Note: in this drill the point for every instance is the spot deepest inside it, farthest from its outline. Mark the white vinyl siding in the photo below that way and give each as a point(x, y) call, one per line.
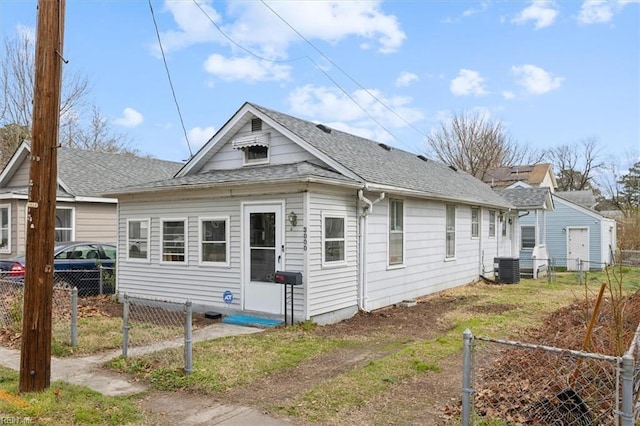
point(214, 241)
point(450, 231)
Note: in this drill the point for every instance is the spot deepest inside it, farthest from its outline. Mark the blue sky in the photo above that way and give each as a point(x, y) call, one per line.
point(554, 72)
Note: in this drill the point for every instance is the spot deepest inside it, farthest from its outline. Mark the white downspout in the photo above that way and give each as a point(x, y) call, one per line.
point(366, 210)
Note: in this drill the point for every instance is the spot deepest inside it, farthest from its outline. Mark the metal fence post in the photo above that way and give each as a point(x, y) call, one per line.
point(188, 339)
point(466, 377)
point(125, 324)
point(626, 413)
point(74, 316)
point(580, 278)
point(101, 281)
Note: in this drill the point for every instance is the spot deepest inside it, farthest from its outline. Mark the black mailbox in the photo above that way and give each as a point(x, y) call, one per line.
point(292, 278)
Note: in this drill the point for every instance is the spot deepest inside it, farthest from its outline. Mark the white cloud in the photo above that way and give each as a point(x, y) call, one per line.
point(508, 95)
point(536, 80)
point(198, 136)
point(468, 82)
point(332, 107)
point(595, 12)
point(130, 118)
point(542, 12)
point(471, 11)
point(193, 25)
point(246, 69)
point(406, 78)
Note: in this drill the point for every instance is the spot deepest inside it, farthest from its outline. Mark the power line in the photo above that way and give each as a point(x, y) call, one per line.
point(342, 70)
point(173, 92)
point(316, 66)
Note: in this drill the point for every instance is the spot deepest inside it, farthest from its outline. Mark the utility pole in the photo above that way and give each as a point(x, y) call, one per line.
point(35, 356)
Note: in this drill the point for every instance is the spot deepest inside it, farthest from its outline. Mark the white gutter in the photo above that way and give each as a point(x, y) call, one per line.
point(366, 210)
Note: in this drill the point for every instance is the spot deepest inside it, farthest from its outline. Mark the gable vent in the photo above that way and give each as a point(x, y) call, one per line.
point(256, 125)
point(453, 168)
point(422, 157)
point(384, 146)
point(324, 128)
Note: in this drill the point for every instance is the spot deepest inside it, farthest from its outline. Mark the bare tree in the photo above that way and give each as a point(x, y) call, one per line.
point(475, 144)
point(81, 126)
point(577, 164)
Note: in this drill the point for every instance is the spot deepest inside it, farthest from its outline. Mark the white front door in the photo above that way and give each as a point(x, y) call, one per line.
point(577, 247)
point(263, 254)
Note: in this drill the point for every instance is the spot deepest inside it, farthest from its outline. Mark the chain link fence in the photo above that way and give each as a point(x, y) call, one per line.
point(157, 326)
point(519, 383)
point(64, 312)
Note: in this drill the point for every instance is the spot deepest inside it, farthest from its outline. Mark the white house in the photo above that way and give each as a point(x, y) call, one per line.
point(366, 224)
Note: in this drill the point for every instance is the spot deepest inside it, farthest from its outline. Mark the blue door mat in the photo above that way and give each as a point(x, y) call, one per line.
point(251, 321)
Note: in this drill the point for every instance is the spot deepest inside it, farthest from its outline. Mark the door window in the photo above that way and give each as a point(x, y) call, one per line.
point(263, 246)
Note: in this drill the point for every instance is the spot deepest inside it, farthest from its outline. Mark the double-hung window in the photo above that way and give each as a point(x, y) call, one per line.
point(214, 240)
point(527, 237)
point(138, 239)
point(475, 222)
point(396, 232)
point(174, 239)
point(5, 228)
point(334, 239)
point(492, 223)
point(451, 232)
point(64, 224)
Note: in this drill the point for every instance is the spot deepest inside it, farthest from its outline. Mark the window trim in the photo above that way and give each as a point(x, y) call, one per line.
point(247, 162)
point(6, 249)
point(522, 235)
point(227, 241)
point(400, 264)
point(492, 224)
point(73, 222)
point(332, 263)
point(146, 259)
point(185, 221)
point(475, 235)
point(448, 256)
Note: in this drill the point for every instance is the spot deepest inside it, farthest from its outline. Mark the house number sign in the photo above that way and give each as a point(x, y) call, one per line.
point(304, 239)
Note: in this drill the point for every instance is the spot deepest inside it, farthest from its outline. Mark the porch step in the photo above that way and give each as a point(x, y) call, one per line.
point(250, 321)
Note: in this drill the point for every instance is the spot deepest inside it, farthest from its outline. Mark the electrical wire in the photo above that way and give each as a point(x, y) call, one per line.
point(173, 92)
point(317, 67)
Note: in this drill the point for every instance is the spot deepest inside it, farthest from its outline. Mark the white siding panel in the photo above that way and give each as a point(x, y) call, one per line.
point(21, 176)
point(332, 287)
point(281, 151)
point(425, 269)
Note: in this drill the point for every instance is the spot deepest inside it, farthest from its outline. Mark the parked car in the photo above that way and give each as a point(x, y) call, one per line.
point(87, 265)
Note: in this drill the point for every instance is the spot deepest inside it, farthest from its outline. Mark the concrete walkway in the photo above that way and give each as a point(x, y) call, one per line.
point(86, 371)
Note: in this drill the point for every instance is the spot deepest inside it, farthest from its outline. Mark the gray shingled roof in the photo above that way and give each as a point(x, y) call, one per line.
point(525, 198)
point(585, 198)
point(92, 173)
point(394, 167)
point(265, 173)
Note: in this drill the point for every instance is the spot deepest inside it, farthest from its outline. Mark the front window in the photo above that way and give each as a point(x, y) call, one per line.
point(451, 231)
point(5, 228)
point(138, 239)
point(173, 240)
point(64, 224)
point(214, 240)
point(396, 232)
point(475, 222)
point(528, 237)
point(334, 240)
point(492, 223)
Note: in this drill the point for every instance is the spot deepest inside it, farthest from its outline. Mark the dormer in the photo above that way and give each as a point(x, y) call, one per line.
point(255, 146)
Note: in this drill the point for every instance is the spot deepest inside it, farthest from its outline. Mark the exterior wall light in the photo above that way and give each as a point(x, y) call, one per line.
point(293, 219)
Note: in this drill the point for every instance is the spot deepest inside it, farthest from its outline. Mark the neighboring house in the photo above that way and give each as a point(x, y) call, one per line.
point(571, 232)
point(82, 213)
point(535, 207)
point(366, 224)
point(534, 175)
